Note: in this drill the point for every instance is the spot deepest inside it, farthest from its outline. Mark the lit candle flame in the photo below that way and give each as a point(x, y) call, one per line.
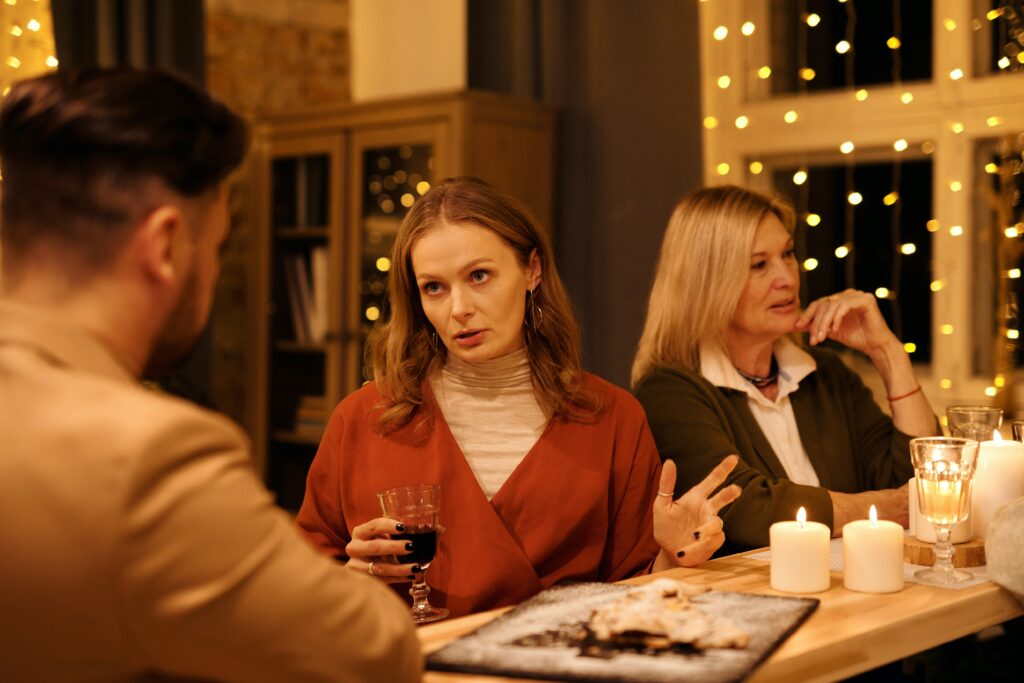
point(801, 517)
point(996, 436)
point(873, 516)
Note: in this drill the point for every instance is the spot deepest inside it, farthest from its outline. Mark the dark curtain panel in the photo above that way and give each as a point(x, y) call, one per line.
point(166, 34)
point(169, 34)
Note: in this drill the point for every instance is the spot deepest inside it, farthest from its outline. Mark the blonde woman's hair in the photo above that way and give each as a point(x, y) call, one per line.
point(702, 270)
point(404, 350)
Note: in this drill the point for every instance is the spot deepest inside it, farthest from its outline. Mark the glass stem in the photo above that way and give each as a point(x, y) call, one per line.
point(943, 549)
point(419, 592)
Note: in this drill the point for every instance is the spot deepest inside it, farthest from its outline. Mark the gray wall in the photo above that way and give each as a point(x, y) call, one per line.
point(626, 77)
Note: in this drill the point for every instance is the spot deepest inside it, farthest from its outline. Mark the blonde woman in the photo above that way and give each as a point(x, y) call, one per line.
point(548, 473)
point(719, 370)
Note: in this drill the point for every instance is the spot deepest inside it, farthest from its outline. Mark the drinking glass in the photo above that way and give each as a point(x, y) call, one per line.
point(1017, 426)
point(944, 467)
point(416, 507)
point(973, 422)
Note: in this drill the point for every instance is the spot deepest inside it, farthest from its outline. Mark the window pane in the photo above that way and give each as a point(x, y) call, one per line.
point(882, 242)
point(871, 57)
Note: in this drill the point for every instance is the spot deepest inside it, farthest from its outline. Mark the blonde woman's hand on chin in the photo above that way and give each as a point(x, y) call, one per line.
point(688, 529)
point(851, 318)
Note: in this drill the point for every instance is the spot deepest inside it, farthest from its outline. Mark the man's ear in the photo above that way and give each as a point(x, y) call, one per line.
point(159, 243)
point(533, 269)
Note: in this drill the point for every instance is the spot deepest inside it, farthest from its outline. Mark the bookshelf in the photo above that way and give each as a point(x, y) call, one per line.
point(331, 188)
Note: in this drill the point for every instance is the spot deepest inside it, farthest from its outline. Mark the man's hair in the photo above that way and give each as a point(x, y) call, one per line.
point(79, 147)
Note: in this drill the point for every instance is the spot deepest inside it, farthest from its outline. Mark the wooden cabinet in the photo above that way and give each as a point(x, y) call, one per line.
point(331, 188)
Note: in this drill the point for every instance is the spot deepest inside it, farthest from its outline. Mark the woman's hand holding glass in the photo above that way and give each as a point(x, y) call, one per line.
point(372, 550)
point(688, 529)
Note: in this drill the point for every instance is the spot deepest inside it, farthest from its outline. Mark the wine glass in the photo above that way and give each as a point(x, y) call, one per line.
point(944, 467)
point(416, 507)
point(973, 422)
point(1017, 427)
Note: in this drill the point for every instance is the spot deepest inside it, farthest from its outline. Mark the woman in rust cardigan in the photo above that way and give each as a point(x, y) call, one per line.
point(548, 473)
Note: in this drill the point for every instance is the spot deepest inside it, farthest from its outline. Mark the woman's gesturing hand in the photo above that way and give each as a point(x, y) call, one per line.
point(851, 317)
point(372, 550)
point(689, 529)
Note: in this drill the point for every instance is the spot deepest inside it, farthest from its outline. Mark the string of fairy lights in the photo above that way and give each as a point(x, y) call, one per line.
point(1011, 58)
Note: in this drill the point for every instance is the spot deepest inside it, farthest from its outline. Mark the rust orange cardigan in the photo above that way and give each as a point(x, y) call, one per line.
point(577, 508)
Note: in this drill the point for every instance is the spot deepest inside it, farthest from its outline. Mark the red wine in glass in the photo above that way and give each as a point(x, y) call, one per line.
point(424, 545)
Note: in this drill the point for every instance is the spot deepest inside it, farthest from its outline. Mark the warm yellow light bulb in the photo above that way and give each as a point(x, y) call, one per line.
point(882, 293)
point(723, 82)
point(994, 14)
point(842, 47)
point(908, 248)
point(764, 72)
point(722, 168)
point(910, 347)
point(408, 200)
point(790, 116)
point(372, 313)
point(937, 285)
point(721, 33)
point(1013, 334)
point(854, 198)
point(949, 24)
point(956, 186)
point(956, 230)
point(861, 95)
point(742, 122)
point(422, 187)
point(907, 97)
point(994, 121)
point(956, 74)
point(1004, 62)
point(13, 62)
point(1013, 273)
point(847, 147)
point(748, 28)
point(33, 25)
point(710, 122)
point(956, 127)
point(756, 167)
point(1011, 232)
point(813, 220)
point(947, 329)
point(990, 391)
point(807, 73)
point(810, 264)
point(52, 62)
point(945, 383)
point(383, 264)
point(891, 198)
point(842, 251)
point(893, 43)
point(812, 19)
point(999, 381)
point(900, 145)
point(991, 168)
point(800, 177)
point(932, 225)
point(16, 31)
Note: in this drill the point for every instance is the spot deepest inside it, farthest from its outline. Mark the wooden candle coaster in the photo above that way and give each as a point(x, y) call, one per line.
point(969, 554)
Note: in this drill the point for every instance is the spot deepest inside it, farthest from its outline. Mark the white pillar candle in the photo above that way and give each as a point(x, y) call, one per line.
point(998, 479)
point(923, 529)
point(799, 553)
point(873, 555)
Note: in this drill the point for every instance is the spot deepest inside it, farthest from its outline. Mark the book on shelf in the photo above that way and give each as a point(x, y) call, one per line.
point(310, 415)
point(306, 285)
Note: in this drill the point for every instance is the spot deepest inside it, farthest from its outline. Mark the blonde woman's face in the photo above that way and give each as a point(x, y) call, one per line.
point(770, 303)
point(473, 289)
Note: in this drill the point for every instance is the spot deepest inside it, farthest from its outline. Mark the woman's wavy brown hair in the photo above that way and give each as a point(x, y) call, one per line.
point(400, 351)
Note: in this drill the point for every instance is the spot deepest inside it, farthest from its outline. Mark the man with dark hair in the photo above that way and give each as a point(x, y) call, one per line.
point(136, 537)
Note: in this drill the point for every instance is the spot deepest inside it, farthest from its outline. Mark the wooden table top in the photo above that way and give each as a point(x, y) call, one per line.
point(849, 632)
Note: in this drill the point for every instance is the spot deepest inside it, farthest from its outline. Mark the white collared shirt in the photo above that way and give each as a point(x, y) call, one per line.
point(775, 418)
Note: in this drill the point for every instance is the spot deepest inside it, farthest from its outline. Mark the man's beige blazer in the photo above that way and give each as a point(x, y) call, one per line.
point(136, 538)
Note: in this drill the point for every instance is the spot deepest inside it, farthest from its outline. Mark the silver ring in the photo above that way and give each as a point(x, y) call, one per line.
point(369, 568)
point(664, 494)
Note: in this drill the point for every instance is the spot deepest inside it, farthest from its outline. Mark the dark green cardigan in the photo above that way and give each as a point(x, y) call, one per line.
point(851, 443)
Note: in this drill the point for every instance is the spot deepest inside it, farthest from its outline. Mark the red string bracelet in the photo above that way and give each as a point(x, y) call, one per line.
point(893, 399)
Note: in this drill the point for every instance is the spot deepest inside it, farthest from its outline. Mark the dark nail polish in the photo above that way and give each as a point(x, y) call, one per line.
point(399, 527)
point(416, 569)
point(411, 577)
point(696, 535)
point(680, 553)
point(408, 546)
